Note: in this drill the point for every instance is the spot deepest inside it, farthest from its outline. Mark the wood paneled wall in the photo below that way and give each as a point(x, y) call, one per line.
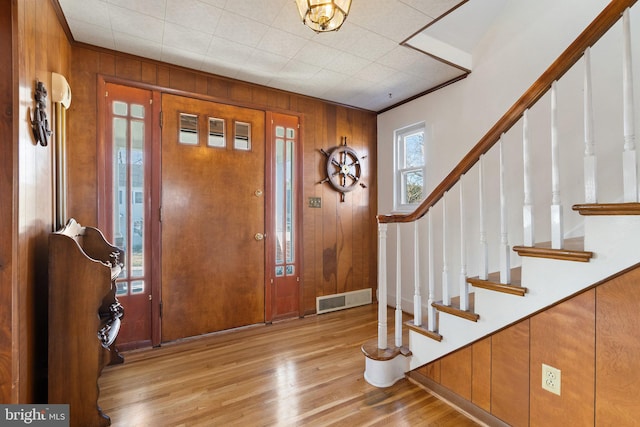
point(592, 338)
point(339, 239)
point(38, 46)
point(7, 182)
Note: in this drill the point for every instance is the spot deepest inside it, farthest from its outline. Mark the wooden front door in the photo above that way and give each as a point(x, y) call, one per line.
point(212, 217)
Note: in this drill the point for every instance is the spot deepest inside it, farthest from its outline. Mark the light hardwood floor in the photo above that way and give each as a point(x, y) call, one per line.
point(298, 372)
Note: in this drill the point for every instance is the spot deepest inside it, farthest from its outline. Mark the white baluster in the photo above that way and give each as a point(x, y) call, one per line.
point(417, 298)
point(398, 322)
point(527, 208)
point(629, 162)
point(446, 299)
point(484, 248)
point(431, 311)
point(464, 286)
point(557, 235)
point(590, 183)
point(382, 286)
point(505, 255)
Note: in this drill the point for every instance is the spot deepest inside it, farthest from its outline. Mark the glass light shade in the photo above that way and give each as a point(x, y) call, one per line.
point(323, 15)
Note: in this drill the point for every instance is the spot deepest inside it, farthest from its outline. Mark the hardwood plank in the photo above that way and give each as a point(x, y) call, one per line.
point(297, 372)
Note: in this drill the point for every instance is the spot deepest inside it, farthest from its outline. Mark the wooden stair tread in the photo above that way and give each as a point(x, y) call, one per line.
point(455, 310)
point(607, 208)
point(492, 283)
point(573, 250)
point(423, 331)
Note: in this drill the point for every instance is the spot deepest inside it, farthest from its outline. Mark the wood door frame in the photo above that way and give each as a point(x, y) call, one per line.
point(270, 217)
point(156, 190)
point(103, 180)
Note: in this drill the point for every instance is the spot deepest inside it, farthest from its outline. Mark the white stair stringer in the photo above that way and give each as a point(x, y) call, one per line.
point(612, 239)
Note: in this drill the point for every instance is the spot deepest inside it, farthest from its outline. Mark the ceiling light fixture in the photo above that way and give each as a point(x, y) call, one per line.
point(323, 15)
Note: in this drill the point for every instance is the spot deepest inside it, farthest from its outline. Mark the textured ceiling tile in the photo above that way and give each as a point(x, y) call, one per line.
point(265, 62)
point(375, 73)
point(155, 8)
point(288, 19)
point(281, 43)
point(298, 70)
point(227, 51)
point(182, 57)
point(346, 64)
point(184, 38)
point(400, 58)
point(433, 8)
point(217, 3)
point(136, 24)
point(264, 41)
point(259, 10)
point(317, 54)
point(373, 46)
point(240, 29)
point(194, 14)
point(92, 34)
point(94, 12)
point(220, 69)
point(400, 23)
point(137, 46)
point(345, 39)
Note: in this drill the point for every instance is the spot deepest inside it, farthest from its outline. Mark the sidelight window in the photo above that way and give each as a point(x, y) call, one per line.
point(284, 196)
point(128, 130)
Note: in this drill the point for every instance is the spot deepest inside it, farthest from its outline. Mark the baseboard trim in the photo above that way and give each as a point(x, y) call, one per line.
point(472, 411)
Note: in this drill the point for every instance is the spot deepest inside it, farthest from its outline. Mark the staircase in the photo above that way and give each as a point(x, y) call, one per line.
point(463, 308)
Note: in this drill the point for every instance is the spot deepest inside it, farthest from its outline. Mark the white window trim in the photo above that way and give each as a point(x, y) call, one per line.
point(398, 188)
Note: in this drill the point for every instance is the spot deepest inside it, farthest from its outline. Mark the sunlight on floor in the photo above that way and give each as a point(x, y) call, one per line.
point(287, 387)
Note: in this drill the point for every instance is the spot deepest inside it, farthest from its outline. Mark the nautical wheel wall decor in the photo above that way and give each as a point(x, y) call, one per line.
point(344, 169)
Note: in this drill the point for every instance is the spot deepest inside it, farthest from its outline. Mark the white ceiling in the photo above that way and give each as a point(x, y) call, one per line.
point(264, 42)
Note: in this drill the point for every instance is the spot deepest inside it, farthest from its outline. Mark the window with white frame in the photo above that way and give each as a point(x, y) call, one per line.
point(409, 167)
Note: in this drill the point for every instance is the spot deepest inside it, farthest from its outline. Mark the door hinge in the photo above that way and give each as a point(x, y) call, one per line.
point(160, 308)
point(161, 118)
point(160, 214)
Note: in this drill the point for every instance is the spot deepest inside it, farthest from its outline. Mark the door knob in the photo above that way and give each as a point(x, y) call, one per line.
point(259, 236)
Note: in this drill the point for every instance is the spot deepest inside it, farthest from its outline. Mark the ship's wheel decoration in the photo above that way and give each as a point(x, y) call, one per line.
point(343, 168)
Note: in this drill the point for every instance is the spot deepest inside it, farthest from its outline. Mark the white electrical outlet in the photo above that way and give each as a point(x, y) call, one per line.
point(551, 379)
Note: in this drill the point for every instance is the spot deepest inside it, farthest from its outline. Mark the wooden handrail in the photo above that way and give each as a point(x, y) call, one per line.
point(603, 22)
